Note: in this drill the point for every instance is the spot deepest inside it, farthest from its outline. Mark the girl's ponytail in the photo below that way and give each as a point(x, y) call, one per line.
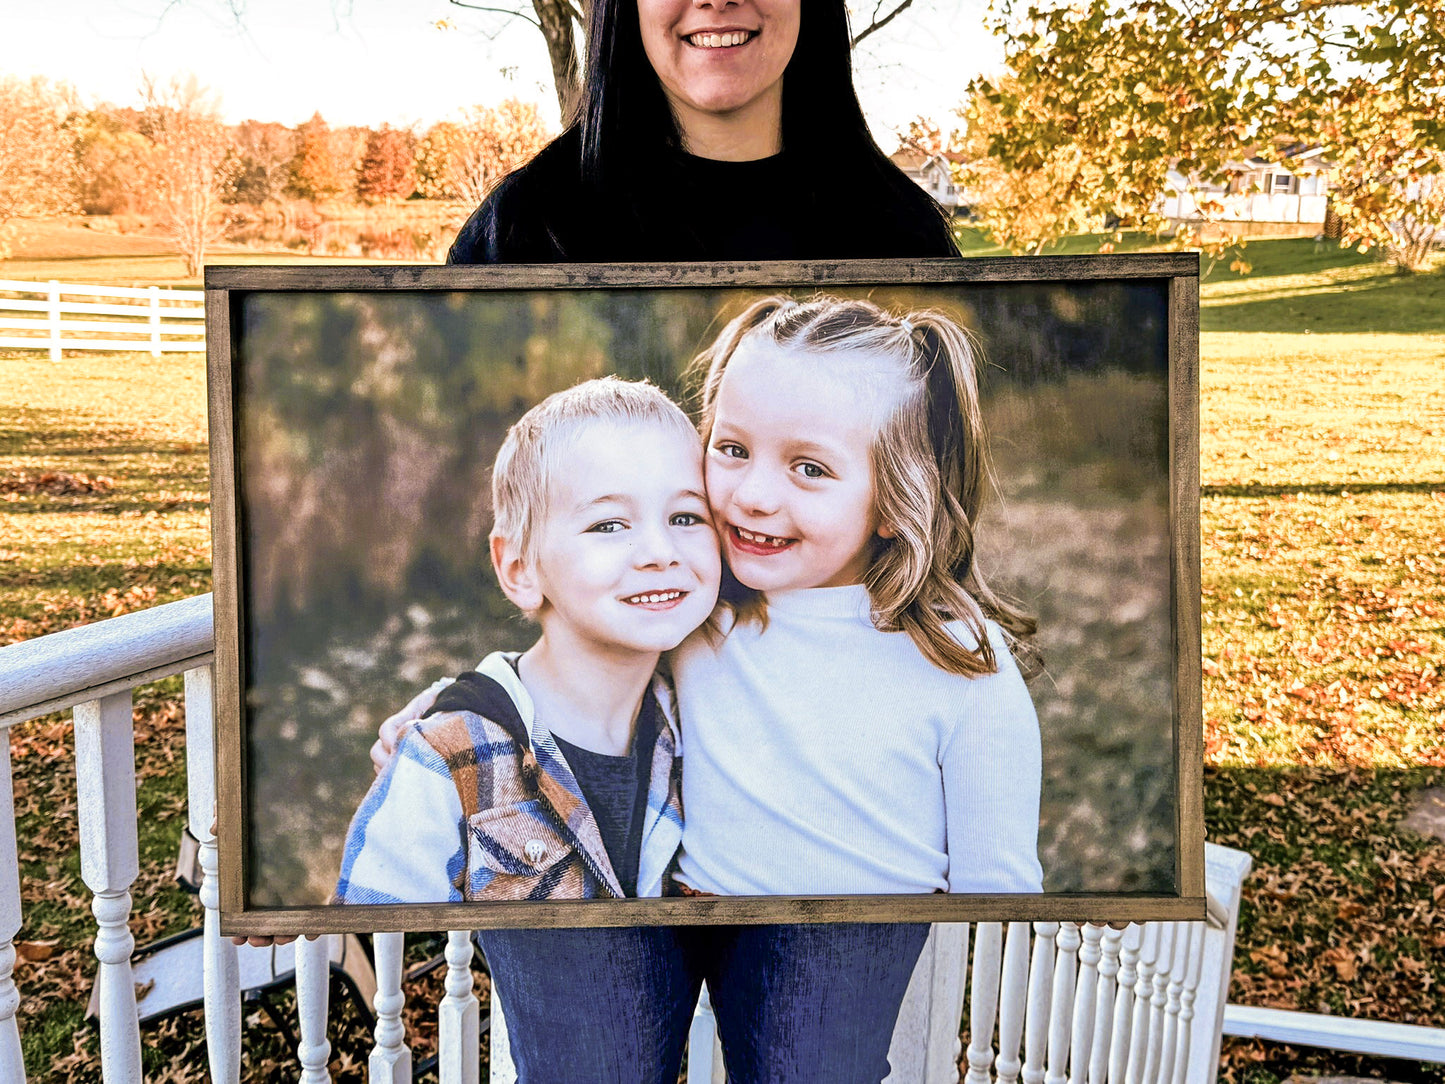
point(931, 476)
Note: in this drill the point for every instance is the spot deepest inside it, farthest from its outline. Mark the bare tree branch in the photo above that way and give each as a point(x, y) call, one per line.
point(512, 12)
point(877, 23)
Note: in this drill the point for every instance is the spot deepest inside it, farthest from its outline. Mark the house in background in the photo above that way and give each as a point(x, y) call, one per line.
point(934, 174)
point(1287, 193)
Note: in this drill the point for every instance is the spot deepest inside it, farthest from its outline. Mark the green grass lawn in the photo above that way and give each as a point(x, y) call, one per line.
point(1323, 466)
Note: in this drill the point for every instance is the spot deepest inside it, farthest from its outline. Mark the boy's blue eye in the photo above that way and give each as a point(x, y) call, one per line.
point(687, 519)
point(607, 526)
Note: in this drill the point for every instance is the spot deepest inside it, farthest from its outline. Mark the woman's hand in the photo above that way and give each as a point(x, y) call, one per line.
point(389, 733)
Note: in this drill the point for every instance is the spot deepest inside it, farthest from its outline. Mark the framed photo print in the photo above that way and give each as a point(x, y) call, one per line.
point(775, 592)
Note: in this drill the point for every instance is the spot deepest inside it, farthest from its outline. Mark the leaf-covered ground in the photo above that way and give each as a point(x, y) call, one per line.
point(1324, 627)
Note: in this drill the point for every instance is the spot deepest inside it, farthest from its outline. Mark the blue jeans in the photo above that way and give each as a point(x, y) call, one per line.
point(603, 1005)
point(809, 1004)
point(795, 1004)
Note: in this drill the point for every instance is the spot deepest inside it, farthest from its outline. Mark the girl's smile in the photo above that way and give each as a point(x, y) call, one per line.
point(789, 470)
point(761, 544)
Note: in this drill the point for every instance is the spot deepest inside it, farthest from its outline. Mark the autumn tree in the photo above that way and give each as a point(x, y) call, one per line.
point(112, 160)
point(434, 151)
point(263, 158)
point(1134, 88)
point(462, 160)
point(37, 163)
point(318, 169)
point(388, 166)
point(1387, 179)
point(1025, 208)
point(189, 164)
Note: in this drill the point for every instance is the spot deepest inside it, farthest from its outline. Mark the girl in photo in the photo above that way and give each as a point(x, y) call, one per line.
point(858, 723)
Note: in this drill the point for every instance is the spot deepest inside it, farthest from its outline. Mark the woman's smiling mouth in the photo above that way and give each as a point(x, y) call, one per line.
point(705, 39)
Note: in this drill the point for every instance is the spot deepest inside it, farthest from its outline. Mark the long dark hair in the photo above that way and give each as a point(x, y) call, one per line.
point(626, 124)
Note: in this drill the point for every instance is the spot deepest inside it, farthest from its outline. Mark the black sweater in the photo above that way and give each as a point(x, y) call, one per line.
point(687, 208)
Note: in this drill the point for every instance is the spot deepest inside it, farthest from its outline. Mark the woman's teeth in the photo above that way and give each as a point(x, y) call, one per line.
point(656, 596)
point(761, 539)
point(719, 41)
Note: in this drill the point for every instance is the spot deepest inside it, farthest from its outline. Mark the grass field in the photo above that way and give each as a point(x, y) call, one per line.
point(1323, 467)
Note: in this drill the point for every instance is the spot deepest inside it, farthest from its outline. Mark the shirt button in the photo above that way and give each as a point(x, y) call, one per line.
point(535, 850)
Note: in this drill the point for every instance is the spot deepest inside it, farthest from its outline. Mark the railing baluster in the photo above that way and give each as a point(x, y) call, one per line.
point(1186, 1000)
point(1143, 984)
point(390, 1058)
point(1124, 1004)
point(222, 982)
point(1062, 1008)
point(983, 1000)
point(1041, 984)
point(1084, 993)
point(1178, 963)
point(1158, 1001)
point(1012, 988)
point(109, 864)
point(12, 1064)
point(313, 990)
point(459, 1018)
point(1099, 1047)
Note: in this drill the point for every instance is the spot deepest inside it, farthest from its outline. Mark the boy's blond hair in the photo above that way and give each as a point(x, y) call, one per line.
point(528, 459)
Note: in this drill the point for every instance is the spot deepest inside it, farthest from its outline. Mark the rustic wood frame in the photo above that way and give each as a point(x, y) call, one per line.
point(225, 285)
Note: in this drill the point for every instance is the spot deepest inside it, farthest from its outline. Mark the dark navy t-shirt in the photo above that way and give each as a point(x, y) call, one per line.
point(615, 789)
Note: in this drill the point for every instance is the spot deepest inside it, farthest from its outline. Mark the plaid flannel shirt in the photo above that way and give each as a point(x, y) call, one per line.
point(462, 812)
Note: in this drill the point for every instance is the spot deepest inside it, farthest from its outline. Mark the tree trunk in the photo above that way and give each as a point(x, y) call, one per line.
point(555, 17)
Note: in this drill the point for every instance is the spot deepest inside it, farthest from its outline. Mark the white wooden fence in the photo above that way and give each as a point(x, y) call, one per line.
point(1142, 1006)
point(109, 318)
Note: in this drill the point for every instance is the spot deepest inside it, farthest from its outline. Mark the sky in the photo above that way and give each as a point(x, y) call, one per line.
point(369, 62)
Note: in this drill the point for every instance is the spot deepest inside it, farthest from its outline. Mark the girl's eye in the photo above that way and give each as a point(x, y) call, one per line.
point(607, 526)
point(732, 451)
point(811, 470)
point(687, 519)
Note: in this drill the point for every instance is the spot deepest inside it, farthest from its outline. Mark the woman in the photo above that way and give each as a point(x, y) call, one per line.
point(706, 130)
point(687, 151)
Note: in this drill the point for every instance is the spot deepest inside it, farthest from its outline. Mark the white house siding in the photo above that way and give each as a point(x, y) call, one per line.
point(1308, 205)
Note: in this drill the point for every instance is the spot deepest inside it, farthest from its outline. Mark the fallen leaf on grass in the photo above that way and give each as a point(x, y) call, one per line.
point(35, 951)
point(1344, 962)
point(56, 482)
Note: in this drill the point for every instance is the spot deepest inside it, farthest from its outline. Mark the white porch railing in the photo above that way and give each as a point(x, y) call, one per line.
point(145, 319)
point(1143, 1005)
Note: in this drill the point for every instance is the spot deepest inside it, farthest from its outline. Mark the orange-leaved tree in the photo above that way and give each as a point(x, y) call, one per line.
point(190, 162)
point(37, 165)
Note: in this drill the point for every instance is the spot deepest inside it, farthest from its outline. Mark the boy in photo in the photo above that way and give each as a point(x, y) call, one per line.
point(555, 773)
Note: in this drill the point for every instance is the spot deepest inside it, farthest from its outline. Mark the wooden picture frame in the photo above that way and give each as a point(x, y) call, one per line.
point(1090, 363)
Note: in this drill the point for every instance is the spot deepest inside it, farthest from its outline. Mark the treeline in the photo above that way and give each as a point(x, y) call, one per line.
point(174, 159)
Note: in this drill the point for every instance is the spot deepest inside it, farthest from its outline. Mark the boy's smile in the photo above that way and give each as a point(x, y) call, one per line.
point(627, 560)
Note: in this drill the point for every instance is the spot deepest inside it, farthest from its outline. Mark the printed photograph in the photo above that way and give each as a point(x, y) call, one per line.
point(590, 594)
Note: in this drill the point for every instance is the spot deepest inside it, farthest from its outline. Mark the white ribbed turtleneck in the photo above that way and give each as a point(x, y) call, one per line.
point(822, 756)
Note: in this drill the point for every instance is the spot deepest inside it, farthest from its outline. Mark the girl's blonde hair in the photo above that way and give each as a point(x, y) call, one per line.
point(930, 470)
